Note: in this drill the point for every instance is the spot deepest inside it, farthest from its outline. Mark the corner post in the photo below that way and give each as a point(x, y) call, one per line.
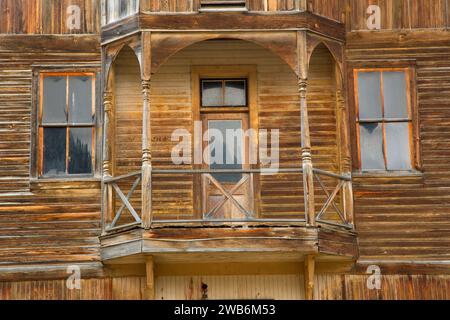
point(345, 157)
point(107, 157)
point(146, 157)
point(107, 130)
point(308, 173)
point(146, 75)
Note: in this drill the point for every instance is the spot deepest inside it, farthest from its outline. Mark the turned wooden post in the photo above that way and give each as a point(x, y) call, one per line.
point(146, 158)
point(346, 160)
point(309, 268)
point(308, 175)
point(108, 206)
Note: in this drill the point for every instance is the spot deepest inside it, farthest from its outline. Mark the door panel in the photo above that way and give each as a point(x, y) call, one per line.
point(225, 195)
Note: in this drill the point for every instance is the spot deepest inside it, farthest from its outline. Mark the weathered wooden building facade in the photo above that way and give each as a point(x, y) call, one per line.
point(96, 96)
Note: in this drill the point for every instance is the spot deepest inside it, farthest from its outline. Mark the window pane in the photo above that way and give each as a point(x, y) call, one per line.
point(397, 145)
point(212, 94)
point(369, 94)
point(111, 10)
point(80, 100)
point(235, 93)
point(124, 8)
point(54, 156)
point(231, 148)
point(54, 100)
point(395, 95)
point(80, 151)
point(371, 146)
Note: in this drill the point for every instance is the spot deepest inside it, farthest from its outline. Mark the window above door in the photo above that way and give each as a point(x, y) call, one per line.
point(223, 93)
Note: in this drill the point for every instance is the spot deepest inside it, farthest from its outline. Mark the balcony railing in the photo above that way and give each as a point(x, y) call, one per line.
point(122, 203)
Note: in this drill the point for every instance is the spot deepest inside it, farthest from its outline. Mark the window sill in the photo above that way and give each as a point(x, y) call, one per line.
point(387, 174)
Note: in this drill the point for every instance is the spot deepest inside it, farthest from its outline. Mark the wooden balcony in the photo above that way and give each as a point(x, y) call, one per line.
point(170, 213)
point(233, 228)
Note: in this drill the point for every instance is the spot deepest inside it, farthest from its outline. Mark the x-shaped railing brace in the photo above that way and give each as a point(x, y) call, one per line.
point(227, 196)
point(331, 198)
point(126, 202)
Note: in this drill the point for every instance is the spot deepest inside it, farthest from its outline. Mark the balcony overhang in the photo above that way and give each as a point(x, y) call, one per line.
point(224, 21)
point(220, 244)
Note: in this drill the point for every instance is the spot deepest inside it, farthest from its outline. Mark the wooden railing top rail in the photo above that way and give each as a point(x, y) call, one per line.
point(230, 171)
point(122, 177)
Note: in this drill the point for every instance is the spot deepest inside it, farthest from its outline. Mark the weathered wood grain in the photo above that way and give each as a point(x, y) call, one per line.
point(405, 217)
point(402, 219)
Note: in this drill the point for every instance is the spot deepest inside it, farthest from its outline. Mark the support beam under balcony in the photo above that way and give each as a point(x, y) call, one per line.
point(310, 264)
point(150, 278)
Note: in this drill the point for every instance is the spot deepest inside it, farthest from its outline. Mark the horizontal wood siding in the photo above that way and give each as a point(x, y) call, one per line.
point(278, 103)
point(58, 223)
point(128, 114)
point(40, 221)
point(171, 109)
point(407, 217)
point(15, 125)
point(127, 147)
point(322, 121)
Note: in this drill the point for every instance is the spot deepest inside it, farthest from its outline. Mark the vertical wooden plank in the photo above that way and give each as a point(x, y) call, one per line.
point(436, 17)
point(150, 279)
point(195, 5)
point(309, 277)
point(447, 14)
point(257, 5)
point(46, 16)
point(272, 5)
point(3, 17)
point(147, 5)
